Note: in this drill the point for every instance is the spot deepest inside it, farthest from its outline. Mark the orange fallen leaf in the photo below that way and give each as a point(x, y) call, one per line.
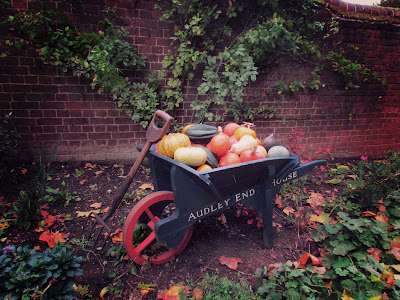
point(382, 218)
point(96, 205)
point(376, 253)
point(279, 202)
point(197, 294)
point(320, 270)
point(116, 236)
point(52, 238)
point(288, 210)
point(368, 214)
point(230, 262)
point(24, 171)
point(395, 248)
point(173, 292)
point(345, 297)
point(304, 259)
point(316, 199)
point(98, 173)
point(105, 209)
point(145, 186)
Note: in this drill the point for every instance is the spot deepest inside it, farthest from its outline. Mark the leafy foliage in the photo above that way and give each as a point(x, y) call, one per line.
point(226, 44)
point(357, 238)
point(8, 141)
point(26, 273)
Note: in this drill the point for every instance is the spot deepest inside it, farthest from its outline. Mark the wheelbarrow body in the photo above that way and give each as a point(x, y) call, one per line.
point(201, 194)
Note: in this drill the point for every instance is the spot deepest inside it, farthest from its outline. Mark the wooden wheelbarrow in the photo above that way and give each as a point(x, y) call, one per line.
point(160, 225)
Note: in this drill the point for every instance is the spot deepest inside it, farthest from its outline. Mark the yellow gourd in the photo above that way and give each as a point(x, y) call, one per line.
point(242, 131)
point(246, 142)
point(191, 156)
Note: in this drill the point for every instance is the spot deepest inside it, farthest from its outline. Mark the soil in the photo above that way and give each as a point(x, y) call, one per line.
point(221, 235)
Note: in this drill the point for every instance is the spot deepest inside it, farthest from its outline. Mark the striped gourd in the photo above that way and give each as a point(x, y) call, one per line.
point(171, 142)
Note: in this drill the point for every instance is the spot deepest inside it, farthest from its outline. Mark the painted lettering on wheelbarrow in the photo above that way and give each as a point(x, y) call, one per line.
point(291, 176)
point(218, 206)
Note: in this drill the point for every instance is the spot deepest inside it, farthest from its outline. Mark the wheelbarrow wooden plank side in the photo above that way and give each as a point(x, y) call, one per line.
point(201, 194)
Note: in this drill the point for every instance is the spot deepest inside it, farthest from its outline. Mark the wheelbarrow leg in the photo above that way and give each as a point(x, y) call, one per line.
point(268, 232)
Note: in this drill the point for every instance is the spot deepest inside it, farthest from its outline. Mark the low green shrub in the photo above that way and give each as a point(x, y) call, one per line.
point(26, 273)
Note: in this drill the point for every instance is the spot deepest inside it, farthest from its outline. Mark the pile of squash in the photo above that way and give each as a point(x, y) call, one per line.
point(206, 147)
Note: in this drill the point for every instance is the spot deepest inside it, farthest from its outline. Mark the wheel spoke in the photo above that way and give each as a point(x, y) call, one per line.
point(151, 216)
point(146, 242)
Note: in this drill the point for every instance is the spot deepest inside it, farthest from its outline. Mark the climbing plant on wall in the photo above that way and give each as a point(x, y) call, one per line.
point(219, 47)
point(229, 42)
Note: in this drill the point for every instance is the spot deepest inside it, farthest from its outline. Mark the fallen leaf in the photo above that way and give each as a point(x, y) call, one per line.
point(79, 173)
point(116, 236)
point(279, 202)
point(82, 290)
point(4, 225)
point(146, 288)
point(382, 218)
point(173, 292)
point(368, 214)
point(288, 210)
point(52, 238)
point(345, 297)
point(24, 171)
point(103, 291)
point(96, 205)
point(304, 259)
point(87, 213)
point(98, 173)
point(320, 270)
point(395, 248)
point(230, 262)
point(105, 209)
point(90, 166)
point(316, 199)
point(222, 219)
point(197, 294)
point(376, 253)
point(145, 186)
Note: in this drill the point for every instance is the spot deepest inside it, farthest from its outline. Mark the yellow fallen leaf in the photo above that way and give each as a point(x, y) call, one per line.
point(96, 205)
point(145, 186)
point(288, 210)
point(87, 213)
point(317, 218)
point(103, 291)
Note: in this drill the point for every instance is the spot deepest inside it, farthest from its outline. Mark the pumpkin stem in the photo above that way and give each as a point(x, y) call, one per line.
point(248, 125)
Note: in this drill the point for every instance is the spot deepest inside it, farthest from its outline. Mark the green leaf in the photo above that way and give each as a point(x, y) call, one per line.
point(334, 181)
point(340, 248)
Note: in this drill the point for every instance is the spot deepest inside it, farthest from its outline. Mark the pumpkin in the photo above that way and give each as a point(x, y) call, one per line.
point(262, 150)
point(278, 151)
point(220, 143)
point(229, 159)
point(191, 156)
point(242, 131)
point(186, 127)
point(250, 154)
point(230, 128)
point(204, 167)
point(171, 142)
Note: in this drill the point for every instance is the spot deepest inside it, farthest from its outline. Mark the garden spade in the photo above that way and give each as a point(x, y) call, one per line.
point(153, 135)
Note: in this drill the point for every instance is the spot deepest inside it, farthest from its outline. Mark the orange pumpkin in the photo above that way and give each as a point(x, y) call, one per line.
point(220, 144)
point(229, 159)
point(230, 128)
point(171, 142)
point(203, 168)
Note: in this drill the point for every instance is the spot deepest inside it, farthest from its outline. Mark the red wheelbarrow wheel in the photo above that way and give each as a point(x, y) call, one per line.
point(142, 247)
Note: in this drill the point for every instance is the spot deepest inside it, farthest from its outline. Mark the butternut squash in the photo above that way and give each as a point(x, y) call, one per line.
point(246, 142)
point(191, 156)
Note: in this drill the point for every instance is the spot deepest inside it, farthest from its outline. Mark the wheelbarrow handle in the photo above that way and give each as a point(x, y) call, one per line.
point(153, 135)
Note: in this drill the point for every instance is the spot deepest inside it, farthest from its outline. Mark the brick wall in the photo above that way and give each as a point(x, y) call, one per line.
point(54, 108)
